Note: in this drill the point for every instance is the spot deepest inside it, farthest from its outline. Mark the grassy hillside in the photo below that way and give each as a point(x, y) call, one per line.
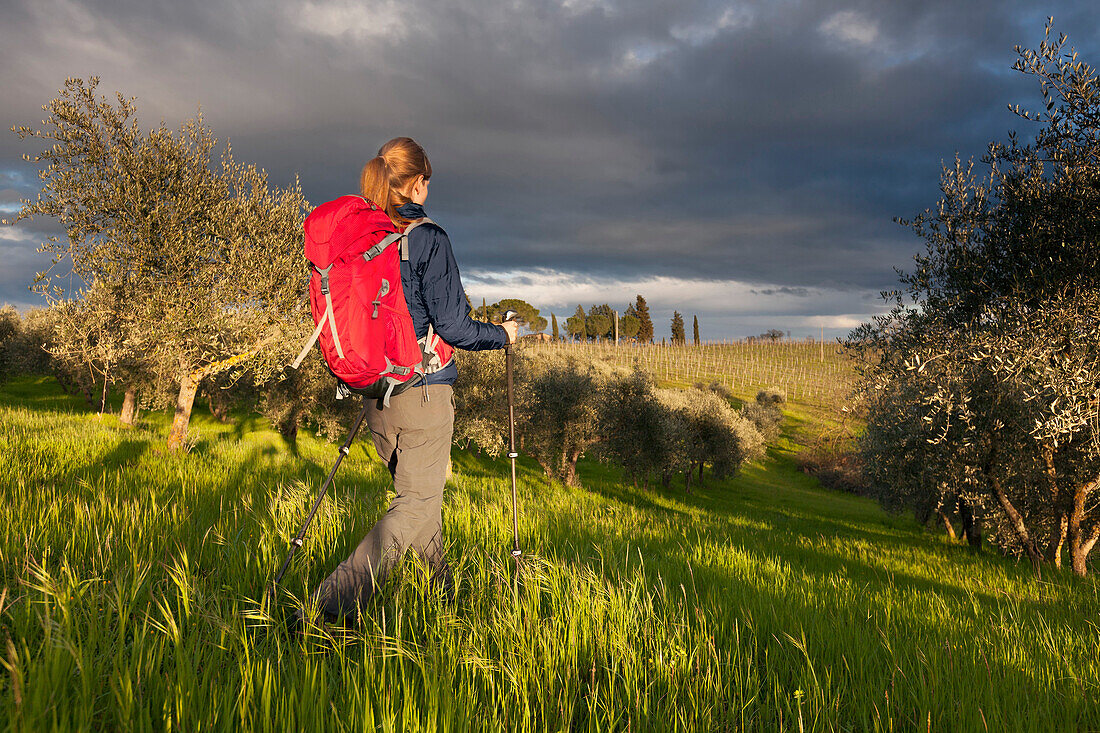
point(816, 378)
point(810, 373)
point(130, 578)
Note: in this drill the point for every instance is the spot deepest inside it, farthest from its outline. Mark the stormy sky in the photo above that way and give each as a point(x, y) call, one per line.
point(739, 161)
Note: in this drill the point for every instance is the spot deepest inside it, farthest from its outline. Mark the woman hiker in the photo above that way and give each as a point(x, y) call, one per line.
point(413, 433)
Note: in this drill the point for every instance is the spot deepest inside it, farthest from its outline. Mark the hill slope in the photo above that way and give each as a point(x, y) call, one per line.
point(764, 602)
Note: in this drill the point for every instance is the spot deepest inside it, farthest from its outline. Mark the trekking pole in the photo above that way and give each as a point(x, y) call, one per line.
point(297, 541)
point(516, 552)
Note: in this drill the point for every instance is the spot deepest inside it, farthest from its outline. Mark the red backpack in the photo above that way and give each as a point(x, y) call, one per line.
point(369, 345)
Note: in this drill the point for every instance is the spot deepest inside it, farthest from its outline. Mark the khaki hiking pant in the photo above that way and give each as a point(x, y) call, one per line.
point(413, 437)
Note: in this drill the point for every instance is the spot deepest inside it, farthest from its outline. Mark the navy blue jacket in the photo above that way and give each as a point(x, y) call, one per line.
point(434, 294)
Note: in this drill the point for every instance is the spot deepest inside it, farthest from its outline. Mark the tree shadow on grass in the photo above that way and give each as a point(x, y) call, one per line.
point(892, 643)
point(40, 393)
point(776, 510)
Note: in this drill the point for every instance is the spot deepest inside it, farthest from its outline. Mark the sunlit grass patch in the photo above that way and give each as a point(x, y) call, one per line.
point(131, 584)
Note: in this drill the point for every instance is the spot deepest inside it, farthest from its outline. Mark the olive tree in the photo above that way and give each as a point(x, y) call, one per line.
point(990, 354)
point(203, 252)
point(1050, 357)
point(558, 399)
point(706, 429)
point(634, 426)
point(10, 327)
point(765, 414)
point(305, 398)
point(481, 402)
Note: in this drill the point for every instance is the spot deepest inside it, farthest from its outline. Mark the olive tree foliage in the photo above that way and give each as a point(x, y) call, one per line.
point(1048, 358)
point(634, 425)
point(568, 405)
point(765, 414)
point(558, 398)
point(481, 402)
point(240, 306)
point(983, 380)
point(302, 398)
point(32, 344)
point(89, 335)
point(705, 429)
point(28, 350)
point(10, 327)
point(918, 458)
point(659, 432)
point(200, 249)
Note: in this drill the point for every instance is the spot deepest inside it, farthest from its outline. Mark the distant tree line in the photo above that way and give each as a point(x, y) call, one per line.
point(983, 380)
point(598, 323)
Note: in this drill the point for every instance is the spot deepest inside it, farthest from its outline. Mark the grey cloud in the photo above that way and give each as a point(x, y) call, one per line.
point(768, 142)
point(796, 292)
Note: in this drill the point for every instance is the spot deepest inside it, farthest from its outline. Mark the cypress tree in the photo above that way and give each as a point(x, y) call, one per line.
point(695, 328)
point(645, 323)
point(678, 334)
point(554, 326)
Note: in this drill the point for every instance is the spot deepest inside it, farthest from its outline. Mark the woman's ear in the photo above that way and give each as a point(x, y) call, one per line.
point(418, 192)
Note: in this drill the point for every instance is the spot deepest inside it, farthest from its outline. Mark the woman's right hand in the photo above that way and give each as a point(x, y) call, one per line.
point(512, 329)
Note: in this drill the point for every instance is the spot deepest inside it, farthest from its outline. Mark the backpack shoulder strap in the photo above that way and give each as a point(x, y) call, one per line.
point(405, 236)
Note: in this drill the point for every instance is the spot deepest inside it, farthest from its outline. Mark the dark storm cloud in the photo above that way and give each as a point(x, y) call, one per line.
point(758, 142)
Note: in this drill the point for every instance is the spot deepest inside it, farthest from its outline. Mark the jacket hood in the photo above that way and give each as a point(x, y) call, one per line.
point(342, 229)
point(411, 211)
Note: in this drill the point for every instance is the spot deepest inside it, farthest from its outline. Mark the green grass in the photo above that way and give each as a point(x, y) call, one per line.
point(130, 581)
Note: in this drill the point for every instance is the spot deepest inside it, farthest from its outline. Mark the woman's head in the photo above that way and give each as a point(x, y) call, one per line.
point(389, 179)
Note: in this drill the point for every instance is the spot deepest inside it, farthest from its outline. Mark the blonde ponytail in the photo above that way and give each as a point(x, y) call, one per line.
point(386, 178)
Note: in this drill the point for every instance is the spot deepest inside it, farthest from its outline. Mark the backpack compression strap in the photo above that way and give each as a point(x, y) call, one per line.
point(329, 317)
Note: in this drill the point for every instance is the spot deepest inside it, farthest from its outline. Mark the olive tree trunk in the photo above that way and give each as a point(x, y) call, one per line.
point(1058, 540)
point(946, 523)
point(1016, 520)
point(569, 468)
point(129, 406)
point(189, 385)
point(971, 524)
point(1080, 541)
